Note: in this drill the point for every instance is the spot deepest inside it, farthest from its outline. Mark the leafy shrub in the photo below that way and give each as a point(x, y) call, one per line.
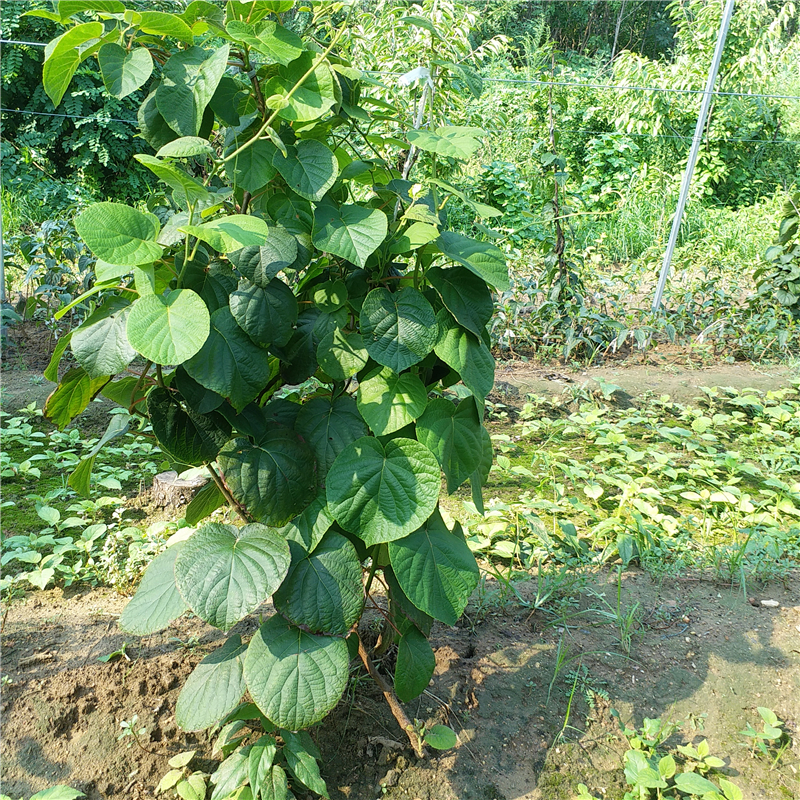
point(297, 252)
point(781, 278)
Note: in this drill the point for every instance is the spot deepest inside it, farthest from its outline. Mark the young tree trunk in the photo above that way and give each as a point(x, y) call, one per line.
point(616, 30)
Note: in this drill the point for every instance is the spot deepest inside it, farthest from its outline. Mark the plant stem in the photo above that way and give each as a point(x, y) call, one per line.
point(314, 64)
point(391, 699)
point(226, 494)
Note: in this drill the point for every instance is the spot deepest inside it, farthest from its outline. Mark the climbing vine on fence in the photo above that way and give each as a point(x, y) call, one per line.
point(296, 248)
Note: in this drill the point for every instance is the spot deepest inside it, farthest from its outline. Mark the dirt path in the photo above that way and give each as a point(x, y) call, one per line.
point(682, 383)
point(702, 649)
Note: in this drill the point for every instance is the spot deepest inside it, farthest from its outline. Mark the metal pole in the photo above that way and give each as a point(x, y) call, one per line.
point(690, 164)
point(2, 266)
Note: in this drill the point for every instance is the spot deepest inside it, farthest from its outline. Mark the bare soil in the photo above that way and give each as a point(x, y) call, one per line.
point(63, 709)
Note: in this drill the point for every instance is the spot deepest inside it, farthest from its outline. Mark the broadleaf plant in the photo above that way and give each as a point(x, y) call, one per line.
point(294, 248)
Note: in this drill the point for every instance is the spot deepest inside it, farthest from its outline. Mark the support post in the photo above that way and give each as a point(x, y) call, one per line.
point(690, 164)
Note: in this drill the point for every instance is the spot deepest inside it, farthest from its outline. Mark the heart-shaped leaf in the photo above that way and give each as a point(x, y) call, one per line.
point(274, 479)
point(399, 328)
point(214, 689)
point(451, 141)
point(323, 590)
point(435, 569)
point(260, 264)
point(485, 260)
point(189, 437)
point(124, 71)
point(453, 434)
point(295, 677)
point(311, 525)
point(329, 425)
point(309, 168)
point(119, 234)
point(341, 355)
point(229, 363)
point(188, 81)
point(466, 354)
point(382, 492)
point(267, 314)
point(252, 169)
point(230, 233)
point(168, 329)
point(465, 295)
point(352, 232)
point(225, 573)
point(388, 401)
point(278, 44)
point(100, 344)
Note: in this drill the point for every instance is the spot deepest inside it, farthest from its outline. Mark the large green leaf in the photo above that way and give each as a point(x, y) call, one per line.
point(300, 355)
point(73, 394)
point(274, 479)
point(479, 478)
point(485, 260)
point(389, 401)
point(435, 569)
point(465, 295)
point(404, 612)
point(197, 397)
point(186, 147)
point(309, 168)
point(124, 71)
point(161, 23)
point(352, 232)
point(260, 264)
point(302, 759)
point(382, 492)
point(214, 688)
point(225, 573)
point(453, 434)
point(153, 126)
point(252, 169)
point(259, 764)
point(399, 328)
point(66, 8)
point(278, 44)
point(157, 601)
point(313, 99)
point(204, 503)
point(81, 477)
point(323, 591)
point(412, 238)
point(189, 437)
point(185, 188)
point(450, 141)
point(267, 315)
point(100, 344)
point(168, 329)
point(230, 233)
point(295, 677)
point(415, 665)
point(64, 54)
point(229, 363)
point(188, 82)
point(341, 355)
point(119, 234)
point(329, 425)
point(309, 527)
point(466, 354)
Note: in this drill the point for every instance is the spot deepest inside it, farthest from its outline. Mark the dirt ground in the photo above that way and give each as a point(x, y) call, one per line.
point(702, 652)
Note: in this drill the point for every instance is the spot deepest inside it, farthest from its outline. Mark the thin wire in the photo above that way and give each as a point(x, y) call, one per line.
point(620, 87)
point(68, 116)
point(16, 41)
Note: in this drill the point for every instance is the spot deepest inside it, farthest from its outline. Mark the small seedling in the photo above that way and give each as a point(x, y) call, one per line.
point(116, 654)
point(181, 782)
point(130, 730)
point(769, 737)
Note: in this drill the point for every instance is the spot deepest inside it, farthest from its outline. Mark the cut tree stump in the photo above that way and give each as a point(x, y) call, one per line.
point(171, 491)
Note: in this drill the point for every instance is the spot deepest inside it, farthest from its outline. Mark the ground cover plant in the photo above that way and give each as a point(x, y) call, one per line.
point(713, 487)
point(296, 249)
